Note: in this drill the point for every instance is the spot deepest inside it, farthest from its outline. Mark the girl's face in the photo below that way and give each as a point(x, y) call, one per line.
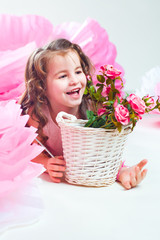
point(66, 82)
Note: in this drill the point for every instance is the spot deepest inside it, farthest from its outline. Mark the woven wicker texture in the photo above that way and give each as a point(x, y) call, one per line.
point(93, 155)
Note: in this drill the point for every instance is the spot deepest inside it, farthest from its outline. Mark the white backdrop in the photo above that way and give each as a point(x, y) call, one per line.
point(133, 26)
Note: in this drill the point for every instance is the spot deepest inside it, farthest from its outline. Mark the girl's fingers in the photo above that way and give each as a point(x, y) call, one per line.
point(56, 180)
point(138, 174)
point(57, 161)
point(125, 181)
point(133, 179)
point(143, 174)
point(60, 157)
point(142, 163)
point(56, 174)
point(127, 185)
point(58, 168)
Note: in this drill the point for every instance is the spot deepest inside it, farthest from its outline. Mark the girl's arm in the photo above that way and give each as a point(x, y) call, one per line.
point(55, 167)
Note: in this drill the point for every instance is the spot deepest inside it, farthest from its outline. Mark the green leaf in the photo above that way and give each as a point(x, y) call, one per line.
point(95, 125)
point(108, 81)
point(102, 99)
point(90, 114)
point(101, 78)
point(101, 122)
point(116, 91)
point(98, 93)
point(89, 123)
point(85, 91)
point(92, 89)
point(99, 84)
point(118, 100)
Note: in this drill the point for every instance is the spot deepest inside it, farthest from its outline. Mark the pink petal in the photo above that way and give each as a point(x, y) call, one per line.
point(91, 37)
point(12, 66)
point(21, 35)
point(31, 171)
point(16, 150)
point(21, 30)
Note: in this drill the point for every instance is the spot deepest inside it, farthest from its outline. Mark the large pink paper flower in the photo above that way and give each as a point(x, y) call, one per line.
point(16, 151)
point(94, 41)
point(20, 35)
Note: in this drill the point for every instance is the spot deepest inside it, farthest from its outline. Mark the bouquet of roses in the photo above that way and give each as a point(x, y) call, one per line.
point(110, 109)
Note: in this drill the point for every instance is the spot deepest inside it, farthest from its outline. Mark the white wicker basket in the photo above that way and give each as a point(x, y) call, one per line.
point(93, 155)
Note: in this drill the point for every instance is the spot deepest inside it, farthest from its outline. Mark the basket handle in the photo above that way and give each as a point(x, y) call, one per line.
point(127, 129)
point(61, 116)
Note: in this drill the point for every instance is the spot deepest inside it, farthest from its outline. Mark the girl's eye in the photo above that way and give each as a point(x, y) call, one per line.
point(78, 72)
point(62, 76)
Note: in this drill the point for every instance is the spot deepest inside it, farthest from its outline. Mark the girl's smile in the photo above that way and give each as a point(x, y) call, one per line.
point(74, 93)
point(66, 82)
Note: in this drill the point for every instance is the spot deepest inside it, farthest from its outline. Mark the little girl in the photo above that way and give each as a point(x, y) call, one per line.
point(55, 79)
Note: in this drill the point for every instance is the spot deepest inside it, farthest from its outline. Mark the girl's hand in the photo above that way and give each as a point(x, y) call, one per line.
point(55, 168)
point(132, 176)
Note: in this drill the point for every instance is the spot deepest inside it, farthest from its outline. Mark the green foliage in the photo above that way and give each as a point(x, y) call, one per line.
point(107, 98)
point(94, 120)
point(101, 78)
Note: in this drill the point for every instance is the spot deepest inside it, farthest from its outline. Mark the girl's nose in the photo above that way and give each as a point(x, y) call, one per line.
point(73, 80)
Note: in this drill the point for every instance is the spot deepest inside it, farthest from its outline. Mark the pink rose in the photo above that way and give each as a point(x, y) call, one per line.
point(108, 90)
point(122, 114)
point(136, 103)
point(101, 111)
point(103, 68)
point(149, 101)
point(112, 72)
point(116, 101)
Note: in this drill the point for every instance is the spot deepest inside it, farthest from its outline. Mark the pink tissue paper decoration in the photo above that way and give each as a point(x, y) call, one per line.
point(16, 168)
point(16, 150)
point(20, 35)
point(21, 207)
point(94, 41)
point(150, 84)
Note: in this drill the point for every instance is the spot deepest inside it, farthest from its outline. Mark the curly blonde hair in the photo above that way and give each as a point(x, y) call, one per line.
point(35, 96)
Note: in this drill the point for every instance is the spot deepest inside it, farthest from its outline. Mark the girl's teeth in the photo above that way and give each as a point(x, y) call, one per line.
point(73, 92)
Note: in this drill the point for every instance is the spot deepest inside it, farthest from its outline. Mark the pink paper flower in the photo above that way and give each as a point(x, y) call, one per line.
point(136, 103)
point(21, 36)
point(16, 149)
point(122, 114)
